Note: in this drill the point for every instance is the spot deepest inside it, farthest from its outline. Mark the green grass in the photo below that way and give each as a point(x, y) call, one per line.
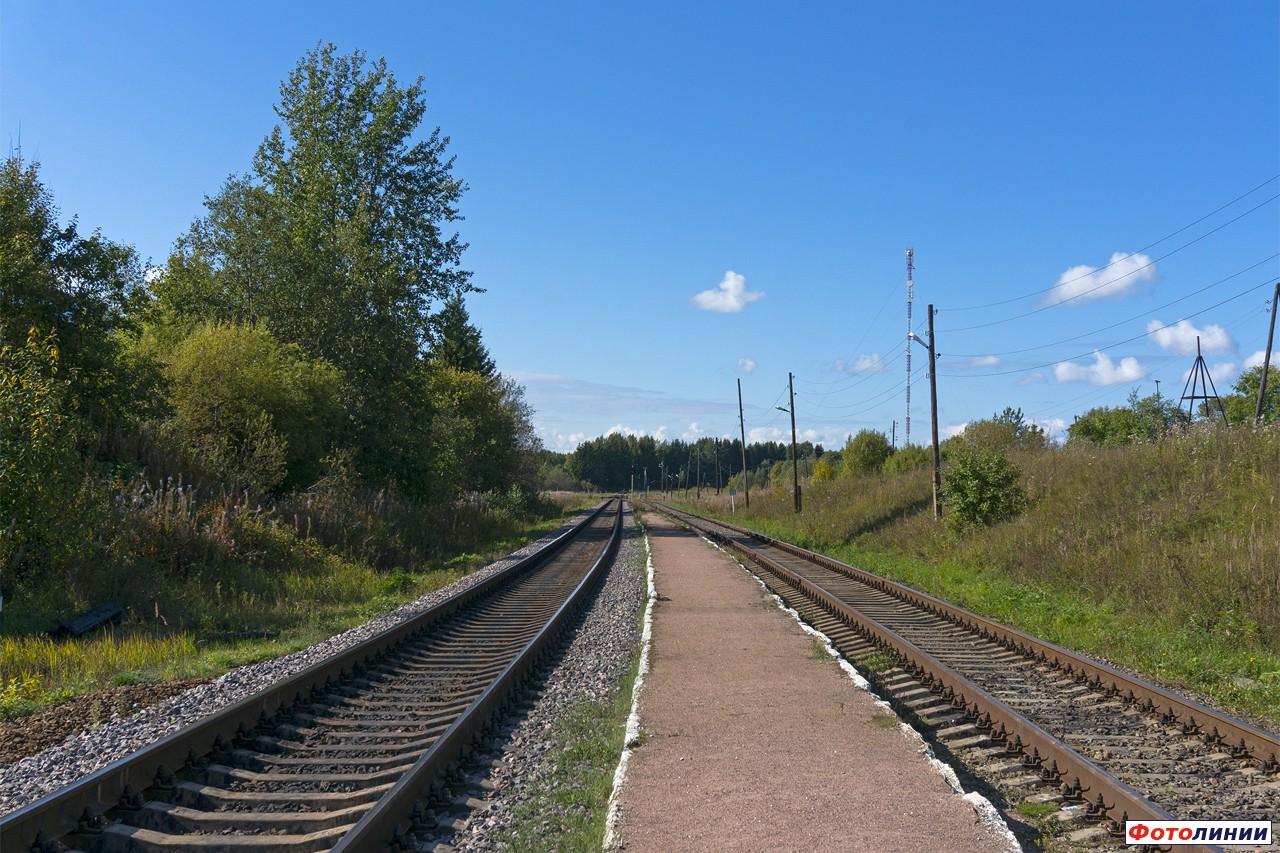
point(566, 809)
point(1161, 557)
point(245, 615)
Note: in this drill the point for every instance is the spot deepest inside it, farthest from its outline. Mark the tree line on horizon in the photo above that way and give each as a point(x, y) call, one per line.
point(606, 462)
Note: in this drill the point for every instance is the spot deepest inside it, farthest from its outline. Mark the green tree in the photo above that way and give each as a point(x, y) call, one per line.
point(980, 487)
point(336, 242)
point(909, 458)
point(261, 414)
point(1144, 418)
point(456, 343)
point(823, 471)
point(84, 290)
point(1005, 431)
point(39, 469)
point(1242, 405)
point(865, 453)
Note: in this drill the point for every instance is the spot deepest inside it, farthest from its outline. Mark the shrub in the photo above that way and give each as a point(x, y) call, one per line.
point(865, 453)
point(980, 487)
point(909, 458)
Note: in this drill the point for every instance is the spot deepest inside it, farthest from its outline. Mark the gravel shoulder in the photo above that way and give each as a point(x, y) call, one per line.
point(753, 738)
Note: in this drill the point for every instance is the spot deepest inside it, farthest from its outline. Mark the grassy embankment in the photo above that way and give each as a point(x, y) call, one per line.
point(1161, 557)
point(207, 587)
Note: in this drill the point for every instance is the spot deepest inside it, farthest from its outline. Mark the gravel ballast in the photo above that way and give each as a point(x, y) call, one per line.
point(27, 780)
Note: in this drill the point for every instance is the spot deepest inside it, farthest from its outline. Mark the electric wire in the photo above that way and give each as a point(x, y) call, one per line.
point(1138, 252)
point(1026, 314)
point(1148, 333)
point(1236, 274)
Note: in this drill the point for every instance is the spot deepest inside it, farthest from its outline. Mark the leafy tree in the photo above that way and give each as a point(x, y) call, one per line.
point(39, 468)
point(1144, 418)
point(909, 458)
point(865, 453)
point(1241, 405)
point(335, 241)
point(1005, 431)
point(456, 343)
point(823, 471)
point(260, 413)
point(83, 290)
point(980, 487)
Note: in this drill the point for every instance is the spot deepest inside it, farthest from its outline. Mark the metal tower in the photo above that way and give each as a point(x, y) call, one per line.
point(911, 293)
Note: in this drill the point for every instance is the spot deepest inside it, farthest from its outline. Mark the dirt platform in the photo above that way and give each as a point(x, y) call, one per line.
point(755, 739)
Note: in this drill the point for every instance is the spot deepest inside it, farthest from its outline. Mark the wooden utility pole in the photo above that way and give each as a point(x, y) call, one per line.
point(933, 409)
point(795, 465)
point(699, 492)
point(742, 426)
point(716, 450)
point(1266, 359)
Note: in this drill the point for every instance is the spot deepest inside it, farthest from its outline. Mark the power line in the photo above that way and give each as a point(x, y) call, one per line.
point(1105, 283)
point(1139, 251)
point(1148, 333)
point(1122, 322)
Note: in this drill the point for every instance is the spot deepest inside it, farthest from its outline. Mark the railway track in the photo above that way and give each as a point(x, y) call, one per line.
point(1039, 723)
point(343, 755)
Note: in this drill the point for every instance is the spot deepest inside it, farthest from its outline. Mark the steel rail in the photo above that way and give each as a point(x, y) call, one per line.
point(1235, 736)
point(1041, 752)
point(62, 811)
point(383, 825)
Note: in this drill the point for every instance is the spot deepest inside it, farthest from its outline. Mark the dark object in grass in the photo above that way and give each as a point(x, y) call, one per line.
point(103, 614)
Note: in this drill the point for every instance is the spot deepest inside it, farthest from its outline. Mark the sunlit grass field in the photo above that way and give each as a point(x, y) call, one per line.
point(1160, 557)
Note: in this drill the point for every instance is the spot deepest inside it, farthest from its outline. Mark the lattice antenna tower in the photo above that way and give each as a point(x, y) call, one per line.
point(1200, 380)
point(911, 294)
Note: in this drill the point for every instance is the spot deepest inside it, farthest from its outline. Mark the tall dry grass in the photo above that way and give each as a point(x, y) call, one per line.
point(1186, 528)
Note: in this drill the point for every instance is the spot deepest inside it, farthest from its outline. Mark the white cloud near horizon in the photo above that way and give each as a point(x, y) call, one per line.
point(1255, 360)
point(1180, 338)
point(730, 296)
point(1103, 371)
point(1123, 275)
point(864, 363)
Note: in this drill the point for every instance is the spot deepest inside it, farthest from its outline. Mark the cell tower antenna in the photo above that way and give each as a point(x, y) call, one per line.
point(911, 294)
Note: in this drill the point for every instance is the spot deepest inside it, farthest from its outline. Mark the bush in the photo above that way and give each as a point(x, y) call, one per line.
point(980, 487)
point(865, 453)
point(261, 413)
point(909, 458)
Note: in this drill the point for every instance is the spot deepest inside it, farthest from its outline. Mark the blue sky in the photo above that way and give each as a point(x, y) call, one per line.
point(777, 159)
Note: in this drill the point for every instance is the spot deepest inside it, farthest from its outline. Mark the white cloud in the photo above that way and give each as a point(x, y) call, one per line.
point(693, 433)
point(731, 297)
point(1224, 375)
point(864, 363)
point(660, 434)
point(762, 434)
point(746, 365)
point(951, 430)
point(620, 429)
point(1032, 378)
point(561, 443)
point(1180, 338)
point(983, 361)
point(1119, 278)
point(1103, 371)
point(1054, 427)
point(1255, 360)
